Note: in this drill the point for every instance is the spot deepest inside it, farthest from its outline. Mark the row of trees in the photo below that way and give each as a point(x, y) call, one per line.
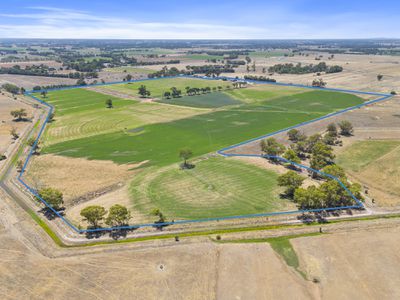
point(259, 78)
point(118, 215)
point(319, 83)
point(12, 88)
point(43, 70)
point(329, 193)
point(208, 70)
point(290, 68)
point(190, 91)
point(174, 93)
point(318, 150)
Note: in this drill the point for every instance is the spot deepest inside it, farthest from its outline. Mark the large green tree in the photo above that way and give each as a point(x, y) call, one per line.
point(143, 92)
point(93, 214)
point(346, 128)
point(19, 114)
point(271, 147)
point(309, 198)
point(322, 155)
point(291, 155)
point(118, 215)
point(291, 181)
point(185, 154)
point(295, 135)
point(52, 196)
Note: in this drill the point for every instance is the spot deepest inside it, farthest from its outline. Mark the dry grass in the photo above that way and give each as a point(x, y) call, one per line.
point(359, 73)
point(77, 177)
point(28, 82)
point(349, 265)
point(7, 104)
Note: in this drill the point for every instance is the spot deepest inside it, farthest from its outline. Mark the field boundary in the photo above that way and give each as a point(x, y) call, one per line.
point(222, 152)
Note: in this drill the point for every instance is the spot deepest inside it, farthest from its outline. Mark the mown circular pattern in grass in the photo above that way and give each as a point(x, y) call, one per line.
point(216, 187)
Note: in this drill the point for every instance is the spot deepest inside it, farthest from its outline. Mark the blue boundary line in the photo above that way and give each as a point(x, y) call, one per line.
point(221, 152)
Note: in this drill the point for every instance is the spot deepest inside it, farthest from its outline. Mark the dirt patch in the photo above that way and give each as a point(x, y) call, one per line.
point(348, 265)
point(79, 179)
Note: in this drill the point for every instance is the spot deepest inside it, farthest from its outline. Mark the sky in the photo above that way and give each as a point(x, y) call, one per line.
point(202, 19)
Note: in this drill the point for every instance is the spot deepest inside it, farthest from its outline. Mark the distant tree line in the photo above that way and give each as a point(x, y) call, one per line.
point(12, 88)
point(43, 70)
point(259, 78)
point(48, 87)
point(290, 68)
point(210, 70)
point(230, 53)
point(149, 63)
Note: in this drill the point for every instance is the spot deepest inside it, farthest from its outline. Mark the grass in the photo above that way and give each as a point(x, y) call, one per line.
point(282, 246)
point(161, 142)
point(216, 187)
point(262, 92)
point(92, 58)
point(361, 154)
point(129, 69)
point(211, 100)
point(46, 228)
point(202, 57)
point(158, 87)
point(81, 113)
point(261, 54)
point(134, 132)
point(308, 102)
point(72, 101)
point(204, 133)
point(376, 164)
point(141, 51)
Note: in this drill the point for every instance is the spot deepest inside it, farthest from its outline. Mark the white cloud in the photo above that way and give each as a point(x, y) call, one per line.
point(50, 22)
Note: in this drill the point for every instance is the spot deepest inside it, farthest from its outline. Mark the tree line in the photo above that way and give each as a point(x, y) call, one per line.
point(190, 91)
point(43, 70)
point(289, 68)
point(317, 150)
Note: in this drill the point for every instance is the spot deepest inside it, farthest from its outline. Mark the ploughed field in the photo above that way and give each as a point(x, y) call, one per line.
point(136, 131)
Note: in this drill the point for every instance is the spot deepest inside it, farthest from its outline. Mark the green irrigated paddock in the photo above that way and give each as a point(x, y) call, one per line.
point(158, 87)
point(155, 132)
point(210, 100)
point(160, 142)
point(216, 187)
point(72, 101)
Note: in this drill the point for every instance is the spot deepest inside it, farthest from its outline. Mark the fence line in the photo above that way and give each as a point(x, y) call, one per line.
point(222, 152)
